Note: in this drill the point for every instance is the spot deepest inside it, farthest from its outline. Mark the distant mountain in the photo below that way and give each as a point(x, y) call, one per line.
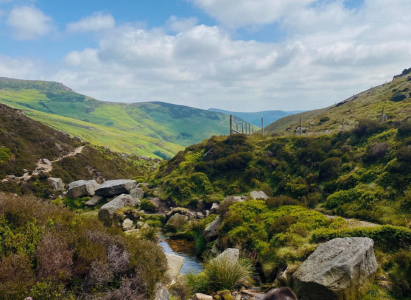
point(395, 96)
point(255, 117)
point(152, 129)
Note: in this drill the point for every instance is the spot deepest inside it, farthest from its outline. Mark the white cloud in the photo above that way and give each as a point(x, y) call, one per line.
point(29, 23)
point(19, 68)
point(96, 22)
point(177, 24)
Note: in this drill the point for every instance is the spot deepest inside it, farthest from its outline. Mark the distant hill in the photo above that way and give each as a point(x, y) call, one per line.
point(153, 129)
point(255, 117)
point(394, 96)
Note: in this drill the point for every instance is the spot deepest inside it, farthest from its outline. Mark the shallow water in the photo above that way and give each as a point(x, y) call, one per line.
point(185, 249)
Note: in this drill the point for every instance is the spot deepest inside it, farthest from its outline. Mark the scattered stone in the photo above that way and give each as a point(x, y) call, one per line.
point(211, 232)
point(175, 264)
point(94, 201)
point(340, 269)
point(107, 211)
point(200, 296)
point(115, 187)
point(161, 292)
point(137, 193)
point(207, 213)
point(82, 188)
point(127, 225)
point(45, 161)
point(214, 208)
point(176, 222)
point(258, 195)
point(200, 215)
point(235, 198)
point(282, 293)
point(56, 183)
point(231, 254)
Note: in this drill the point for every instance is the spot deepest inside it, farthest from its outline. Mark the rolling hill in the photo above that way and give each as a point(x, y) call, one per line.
point(152, 129)
point(394, 96)
point(254, 118)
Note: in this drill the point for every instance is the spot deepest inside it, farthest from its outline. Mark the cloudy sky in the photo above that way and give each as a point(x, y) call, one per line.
point(242, 55)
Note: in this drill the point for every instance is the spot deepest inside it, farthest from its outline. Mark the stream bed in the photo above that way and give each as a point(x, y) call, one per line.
point(184, 249)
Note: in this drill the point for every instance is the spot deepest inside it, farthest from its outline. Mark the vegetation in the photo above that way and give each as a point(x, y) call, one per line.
point(60, 255)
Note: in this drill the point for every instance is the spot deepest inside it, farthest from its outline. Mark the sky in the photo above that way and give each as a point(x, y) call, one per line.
point(239, 55)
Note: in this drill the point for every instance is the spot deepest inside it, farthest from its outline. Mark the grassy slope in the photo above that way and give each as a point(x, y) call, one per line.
point(367, 104)
point(151, 129)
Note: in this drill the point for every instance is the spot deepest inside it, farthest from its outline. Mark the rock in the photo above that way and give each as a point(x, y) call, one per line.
point(82, 188)
point(200, 205)
point(115, 187)
point(107, 211)
point(214, 208)
point(174, 263)
point(182, 211)
point(217, 247)
point(200, 215)
point(258, 195)
point(207, 213)
point(235, 198)
point(45, 161)
point(141, 184)
point(225, 295)
point(211, 232)
point(340, 269)
point(137, 193)
point(94, 201)
point(176, 222)
point(230, 254)
point(161, 292)
point(200, 296)
point(56, 183)
point(282, 293)
point(127, 225)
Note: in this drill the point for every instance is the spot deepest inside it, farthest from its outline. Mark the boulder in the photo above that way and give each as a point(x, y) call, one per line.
point(176, 222)
point(235, 198)
point(200, 296)
point(161, 293)
point(175, 264)
point(107, 211)
point(231, 254)
point(127, 225)
point(211, 232)
point(137, 193)
point(56, 183)
point(116, 187)
point(340, 269)
point(94, 201)
point(281, 293)
point(82, 188)
point(182, 211)
point(258, 195)
point(214, 208)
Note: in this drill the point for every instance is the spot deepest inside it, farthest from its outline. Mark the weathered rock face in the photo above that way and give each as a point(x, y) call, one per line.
point(115, 187)
point(176, 222)
point(258, 195)
point(82, 188)
point(127, 225)
point(214, 208)
point(56, 184)
point(107, 211)
point(161, 293)
point(94, 201)
point(137, 193)
point(283, 293)
point(340, 269)
point(174, 263)
point(231, 254)
point(211, 232)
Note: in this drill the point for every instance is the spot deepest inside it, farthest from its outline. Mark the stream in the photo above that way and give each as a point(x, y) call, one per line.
point(184, 249)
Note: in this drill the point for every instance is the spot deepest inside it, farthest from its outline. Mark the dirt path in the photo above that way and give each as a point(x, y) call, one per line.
point(46, 166)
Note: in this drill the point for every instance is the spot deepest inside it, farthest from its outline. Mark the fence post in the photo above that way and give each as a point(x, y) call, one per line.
point(236, 126)
point(249, 129)
point(242, 127)
point(262, 125)
point(231, 124)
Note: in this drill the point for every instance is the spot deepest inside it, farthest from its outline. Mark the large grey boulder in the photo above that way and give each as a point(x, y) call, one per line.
point(176, 222)
point(116, 187)
point(214, 208)
point(137, 193)
point(258, 195)
point(340, 269)
point(175, 264)
point(211, 232)
point(94, 201)
point(82, 188)
point(161, 293)
point(56, 183)
point(107, 211)
point(231, 255)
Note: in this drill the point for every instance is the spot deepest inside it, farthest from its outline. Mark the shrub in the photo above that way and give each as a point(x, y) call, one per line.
point(237, 161)
point(282, 224)
point(280, 200)
point(330, 168)
point(369, 127)
point(147, 205)
point(377, 151)
point(324, 119)
point(404, 130)
point(404, 154)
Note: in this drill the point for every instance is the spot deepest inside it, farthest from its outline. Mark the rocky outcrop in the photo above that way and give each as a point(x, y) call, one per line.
point(175, 264)
point(56, 184)
point(161, 293)
point(176, 222)
point(116, 187)
point(94, 201)
point(137, 193)
point(283, 293)
point(258, 195)
point(340, 269)
point(211, 232)
point(107, 211)
point(214, 208)
point(231, 255)
point(82, 188)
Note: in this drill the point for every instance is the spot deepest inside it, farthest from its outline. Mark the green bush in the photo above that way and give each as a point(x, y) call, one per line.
point(404, 154)
point(147, 205)
point(404, 130)
point(369, 127)
point(280, 200)
point(330, 168)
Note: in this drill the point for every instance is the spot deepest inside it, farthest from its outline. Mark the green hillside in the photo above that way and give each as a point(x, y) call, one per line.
point(395, 96)
point(153, 129)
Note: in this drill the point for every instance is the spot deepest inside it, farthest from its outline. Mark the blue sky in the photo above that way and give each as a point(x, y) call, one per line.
point(242, 55)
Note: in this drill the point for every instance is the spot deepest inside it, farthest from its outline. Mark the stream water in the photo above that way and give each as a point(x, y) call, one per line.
point(185, 249)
